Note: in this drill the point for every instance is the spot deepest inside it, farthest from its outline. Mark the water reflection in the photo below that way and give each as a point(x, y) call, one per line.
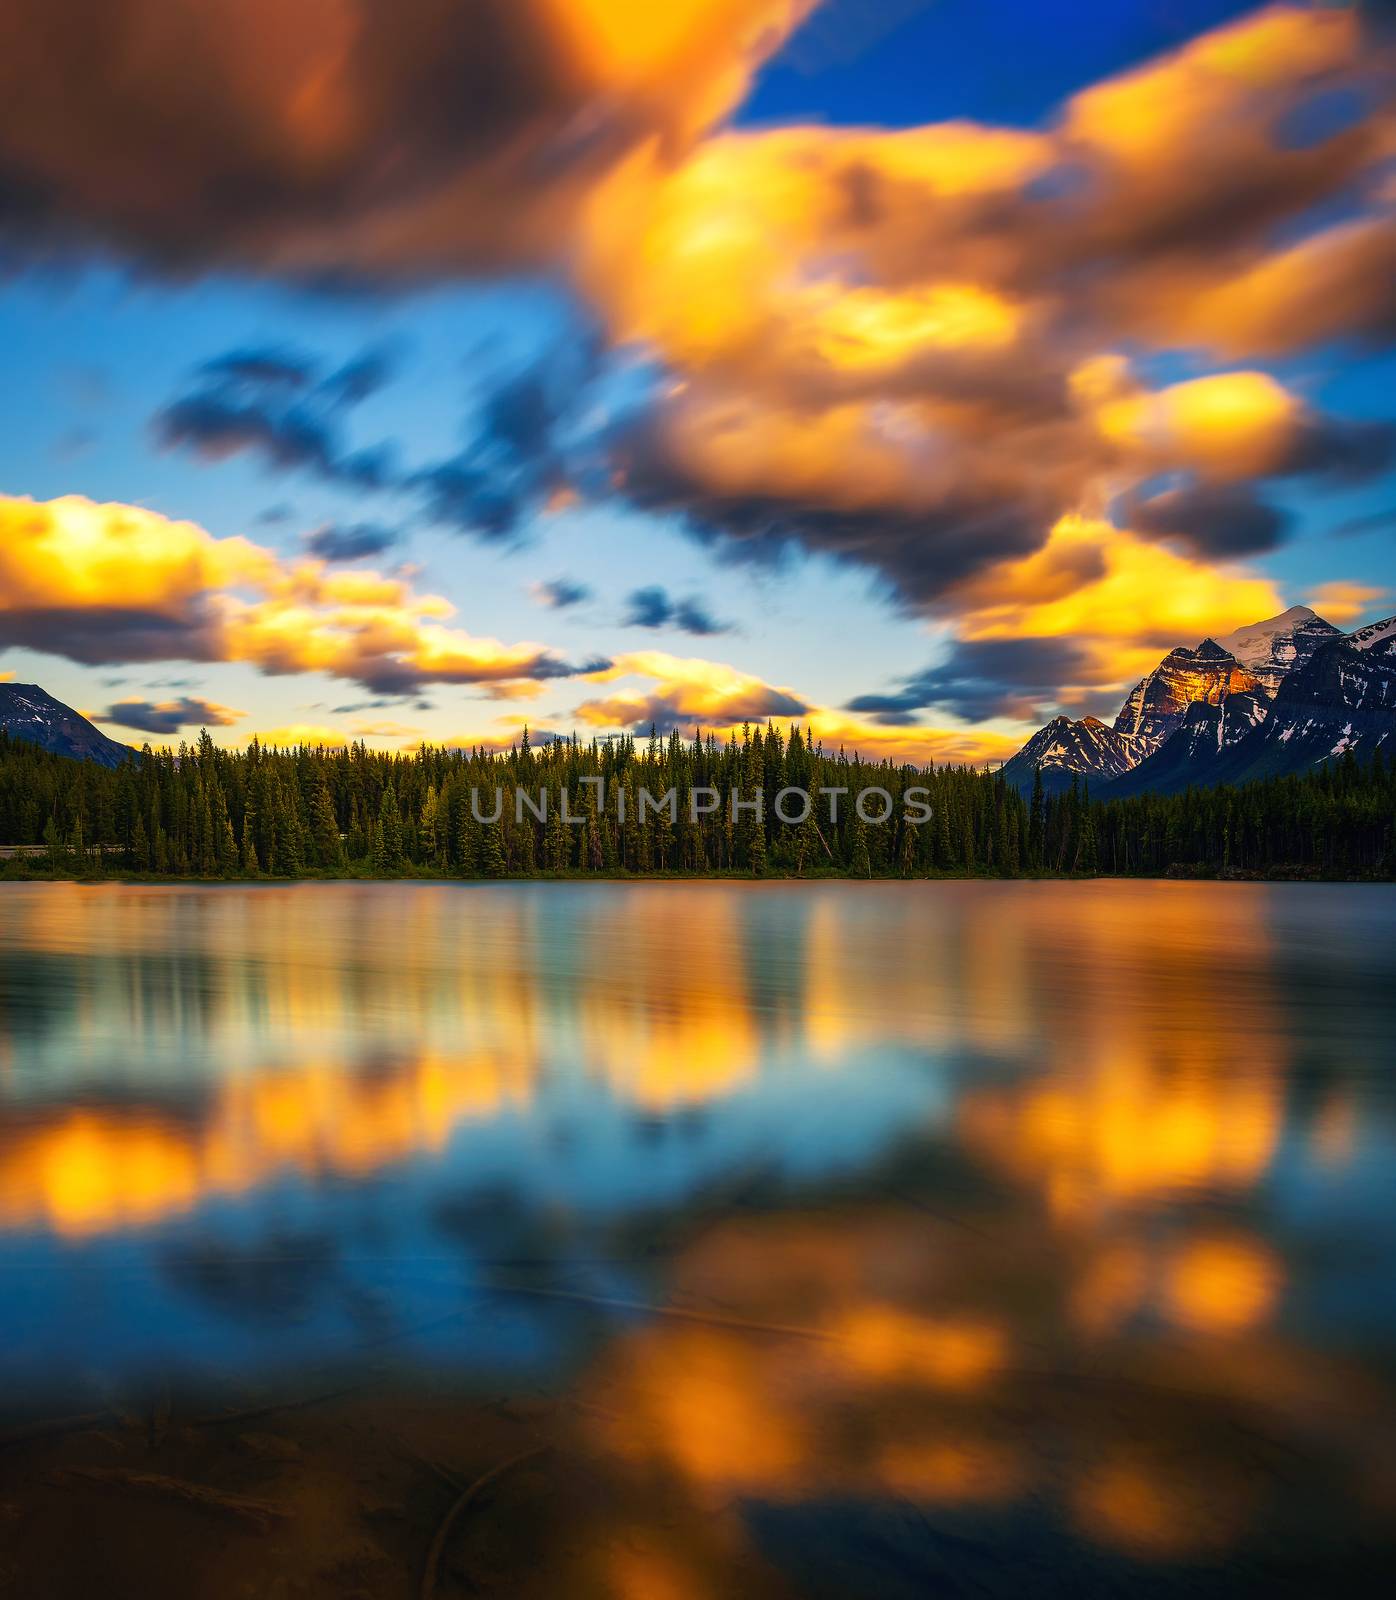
point(1059, 1215)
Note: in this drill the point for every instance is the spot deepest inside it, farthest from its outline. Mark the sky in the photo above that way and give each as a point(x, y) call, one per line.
point(911, 370)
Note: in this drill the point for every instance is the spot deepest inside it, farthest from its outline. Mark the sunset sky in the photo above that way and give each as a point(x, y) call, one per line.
point(910, 369)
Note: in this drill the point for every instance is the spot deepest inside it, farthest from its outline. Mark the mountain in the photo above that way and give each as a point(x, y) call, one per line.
point(1273, 697)
point(1156, 705)
point(1065, 749)
point(1342, 698)
point(1154, 710)
point(27, 712)
point(1270, 649)
point(1377, 636)
point(1206, 731)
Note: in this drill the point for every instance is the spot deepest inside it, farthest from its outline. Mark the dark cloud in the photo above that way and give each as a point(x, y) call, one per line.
point(272, 516)
point(263, 367)
point(648, 608)
point(396, 677)
point(265, 403)
point(984, 678)
point(378, 142)
point(113, 634)
point(560, 593)
point(1341, 449)
point(667, 713)
point(1371, 522)
point(919, 555)
point(516, 450)
point(336, 542)
point(194, 142)
point(1217, 520)
point(653, 607)
point(169, 716)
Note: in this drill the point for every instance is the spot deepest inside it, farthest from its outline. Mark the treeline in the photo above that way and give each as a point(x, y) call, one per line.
point(263, 812)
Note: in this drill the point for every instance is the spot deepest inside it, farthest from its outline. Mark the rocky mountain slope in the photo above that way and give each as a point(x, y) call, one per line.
point(1065, 749)
point(1343, 698)
point(30, 713)
point(1270, 698)
point(1155, 708)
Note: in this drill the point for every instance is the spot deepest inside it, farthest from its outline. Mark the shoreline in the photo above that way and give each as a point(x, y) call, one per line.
point(1278, 875)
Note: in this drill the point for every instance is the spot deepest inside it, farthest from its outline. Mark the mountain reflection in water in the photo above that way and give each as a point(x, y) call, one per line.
point(854, 1240)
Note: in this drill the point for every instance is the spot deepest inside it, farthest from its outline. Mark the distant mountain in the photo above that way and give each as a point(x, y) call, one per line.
point(1065, 749)
point(28, 712)
point(1342, 698)
point(1274, 647)
point(1274, 697)
point(1154, 710)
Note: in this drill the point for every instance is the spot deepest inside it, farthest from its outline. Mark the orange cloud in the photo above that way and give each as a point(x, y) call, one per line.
point(1344, 602)
point(903, 349)
point(1131, 599)
point(406, 140)
point(102, 583)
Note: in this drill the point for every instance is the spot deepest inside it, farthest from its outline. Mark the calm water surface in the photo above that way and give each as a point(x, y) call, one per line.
point(884, 1240)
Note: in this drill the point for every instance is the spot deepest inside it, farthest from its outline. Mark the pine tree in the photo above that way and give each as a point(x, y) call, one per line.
point(325, 845)
point(1037, 824)
point(389, 831)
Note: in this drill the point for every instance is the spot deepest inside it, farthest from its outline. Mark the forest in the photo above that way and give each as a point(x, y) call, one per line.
point(206, 812)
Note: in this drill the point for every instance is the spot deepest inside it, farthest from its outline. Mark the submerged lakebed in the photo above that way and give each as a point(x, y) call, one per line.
point(689, 1239)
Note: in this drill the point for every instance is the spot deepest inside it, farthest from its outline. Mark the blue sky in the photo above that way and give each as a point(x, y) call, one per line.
point(693, 444)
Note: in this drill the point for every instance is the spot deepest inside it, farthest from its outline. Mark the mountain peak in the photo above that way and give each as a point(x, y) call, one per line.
point(30, 713)
point(1275, 646)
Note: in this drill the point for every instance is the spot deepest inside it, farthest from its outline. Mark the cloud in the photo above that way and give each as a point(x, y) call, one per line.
point(514, 461)
point(676, 693)
point(1019, 679)
point(373, 141)
point(337, 542)
point(261, 366)
point(685, 692)
point(266, 403)
point(1219, 520)
point(1369, 522)
point(169, 716)
point(1344, 603)
point(102, 584)
point(653, 607)
point(904, 349)
point(930, 353)
point(559, 594)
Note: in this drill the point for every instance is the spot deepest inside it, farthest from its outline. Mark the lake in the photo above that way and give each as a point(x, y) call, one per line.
point(676, 1240)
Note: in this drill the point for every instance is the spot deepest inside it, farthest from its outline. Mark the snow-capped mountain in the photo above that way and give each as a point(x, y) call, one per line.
point(1270, 649)
point(1156, 706)
point(1342, 698)
point(1273, 697)
point(1375, 636)
point(1154, 710)
point(1206, 731)
point(30, 713)
point(1065, 749)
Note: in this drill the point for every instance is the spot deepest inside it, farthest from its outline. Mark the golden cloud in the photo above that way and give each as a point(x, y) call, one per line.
point(1125, 599)
point(903, 349)
point(309, 136)
point(102, 583)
